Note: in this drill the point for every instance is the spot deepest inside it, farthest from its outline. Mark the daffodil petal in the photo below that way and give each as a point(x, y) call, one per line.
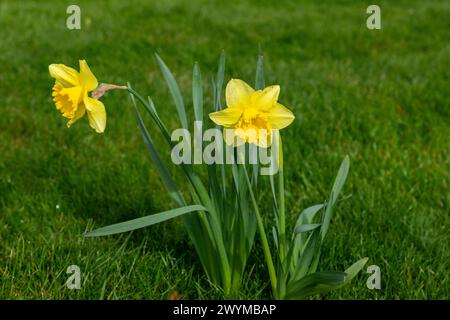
point(226, 117)
point(87, 77)
point(266, 99)
point(279, 117)
point(78, 114)
point(96, 113)
point(236, 92)
point(66, 76)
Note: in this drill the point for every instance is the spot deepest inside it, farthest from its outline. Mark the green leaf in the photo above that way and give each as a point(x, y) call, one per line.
point(174, 90)
point(315, 283)
point(150, 106)
point(213, 93)
point(259, 78)
point(214, 188)
point(255, 173)
point(326, 217)
point(197, 93)
point(306, 227)
point(275, 236)
point(337, 187)
point(163, 172)
point(274, 193)
point(259, 84)
point(305, 217)
point(311, 250)
point(340, 178)
point(353, 270)
point(219, 81)
point(315, 262)
point(217, 94)
point(143, 222)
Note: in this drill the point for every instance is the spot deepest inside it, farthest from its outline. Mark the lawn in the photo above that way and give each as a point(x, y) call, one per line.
point(380, 96)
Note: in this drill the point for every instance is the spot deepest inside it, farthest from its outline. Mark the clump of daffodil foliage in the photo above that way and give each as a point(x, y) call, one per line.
point(220, 210)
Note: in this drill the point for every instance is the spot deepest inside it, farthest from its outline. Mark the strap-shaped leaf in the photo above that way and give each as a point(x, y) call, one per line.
point(315, 283)
point(259, 84)
point(337, 187)
point(143, 222)
point(219, 82)
point(197, 93)
point(340, 178)
point(259, 78)
point(163, 172)
point(150, 107)
point(306, 227)
point(305, 217)
point(174, 90)
point(353, 270)
point(307, 255)
point(216, 85)
point(274, 193)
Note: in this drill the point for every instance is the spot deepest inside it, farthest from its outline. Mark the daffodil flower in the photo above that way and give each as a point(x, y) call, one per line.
point(70, 94)
point(250, 110)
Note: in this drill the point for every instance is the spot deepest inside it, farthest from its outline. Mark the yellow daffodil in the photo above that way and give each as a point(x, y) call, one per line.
point(70, 94)
point(250, 110)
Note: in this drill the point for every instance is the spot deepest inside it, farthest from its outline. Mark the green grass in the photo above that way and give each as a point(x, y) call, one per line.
point(380, 96)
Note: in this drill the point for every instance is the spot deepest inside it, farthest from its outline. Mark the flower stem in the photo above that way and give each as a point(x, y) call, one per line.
point(262, 233)
point(282, 229)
